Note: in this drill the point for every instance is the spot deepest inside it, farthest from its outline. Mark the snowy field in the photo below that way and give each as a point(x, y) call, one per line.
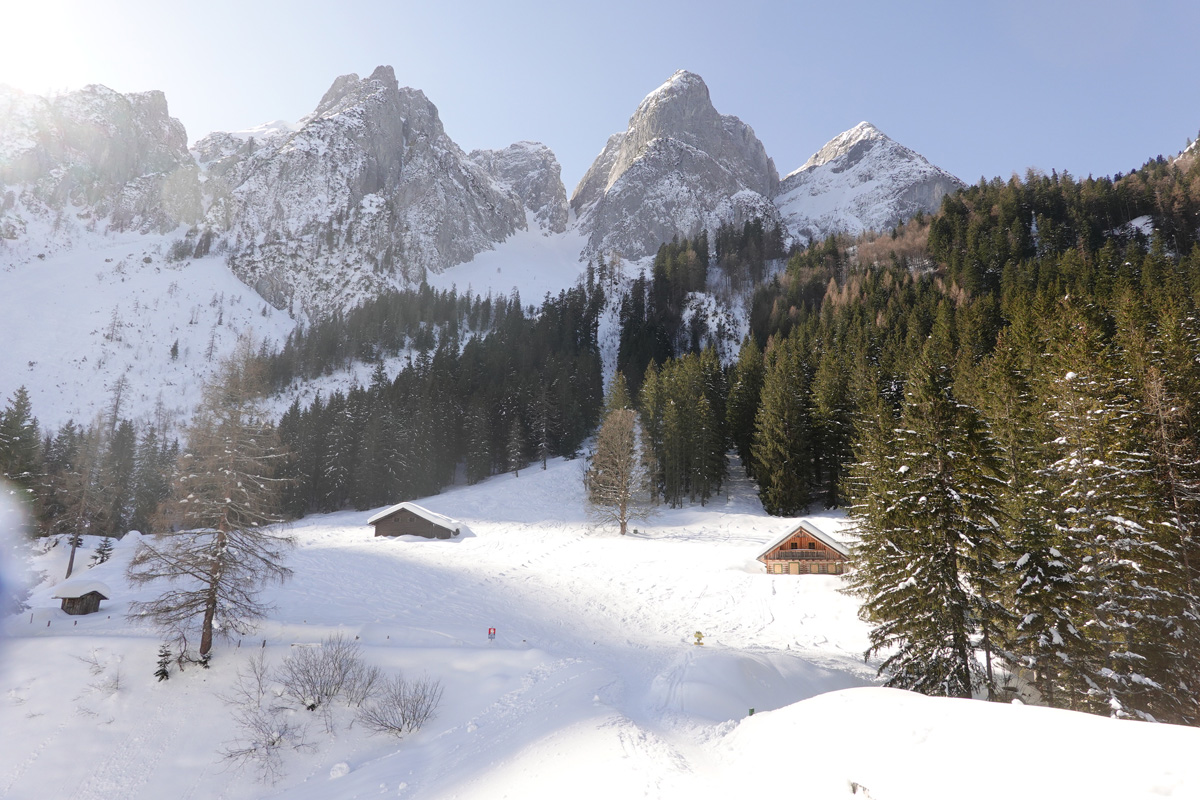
point(593, 686)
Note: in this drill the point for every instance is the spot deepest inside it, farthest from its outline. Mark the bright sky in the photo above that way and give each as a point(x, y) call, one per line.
point(980, 88)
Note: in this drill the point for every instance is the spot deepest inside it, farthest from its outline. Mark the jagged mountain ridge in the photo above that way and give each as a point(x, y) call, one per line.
point(89, 161)
point(681, 167)
point(368, 191)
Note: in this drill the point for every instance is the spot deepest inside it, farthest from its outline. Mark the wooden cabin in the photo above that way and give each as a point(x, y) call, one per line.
point(410, 519)
point(805, 550)
point(82, 596)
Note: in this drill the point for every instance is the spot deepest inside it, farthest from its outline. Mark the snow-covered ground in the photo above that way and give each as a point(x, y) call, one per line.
point(593, 686)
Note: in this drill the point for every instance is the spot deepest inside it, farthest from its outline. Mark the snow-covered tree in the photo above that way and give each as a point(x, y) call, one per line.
point(1108, 527)
point(926, 564)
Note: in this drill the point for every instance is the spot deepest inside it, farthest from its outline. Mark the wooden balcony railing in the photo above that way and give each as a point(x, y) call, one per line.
point(802, 555)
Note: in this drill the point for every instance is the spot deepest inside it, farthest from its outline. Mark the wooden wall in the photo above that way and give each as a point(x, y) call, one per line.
point(406, 523)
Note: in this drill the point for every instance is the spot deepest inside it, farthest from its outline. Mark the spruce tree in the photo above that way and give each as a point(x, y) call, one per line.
point(1104, 512)
point(103, 552)
point(782, 447)
point(744, 393)
point(164, 662)
point(925, 567)
point(20, 442)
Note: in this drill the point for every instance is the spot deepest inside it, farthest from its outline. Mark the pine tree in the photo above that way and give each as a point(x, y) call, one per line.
point(20, 442)
point(782, 447)
point(832, 417)
point(1045, 634)
point(744, 394)
point(515, 449)
point(221, 549)
point(1103, 512)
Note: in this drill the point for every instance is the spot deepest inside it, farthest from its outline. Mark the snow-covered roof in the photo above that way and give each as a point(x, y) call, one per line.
point(420, 511)
point(822, 534)
point(78, 588)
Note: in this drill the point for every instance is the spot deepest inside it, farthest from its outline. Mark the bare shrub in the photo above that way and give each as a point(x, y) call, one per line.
point(265, 727)
point(363, 684)
point(402, 706)
point(315, 676)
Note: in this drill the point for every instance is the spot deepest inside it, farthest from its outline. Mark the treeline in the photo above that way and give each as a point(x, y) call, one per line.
point(102, 479)
point(528, 391)
point(994, 224)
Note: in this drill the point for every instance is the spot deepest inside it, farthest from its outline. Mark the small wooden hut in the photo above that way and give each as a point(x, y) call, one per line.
point(82, 596)
point(805, 550)
point(410, 519)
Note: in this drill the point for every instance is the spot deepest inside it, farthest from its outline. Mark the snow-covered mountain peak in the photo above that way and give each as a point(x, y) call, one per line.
point(843, 143)
point(682, 87)
point(367, 193)
point(860, 180)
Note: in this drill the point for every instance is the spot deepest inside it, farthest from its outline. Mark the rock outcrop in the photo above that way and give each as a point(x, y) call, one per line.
point(368, 192)
point(531, 171)
point(678, 168)
point(91, 160)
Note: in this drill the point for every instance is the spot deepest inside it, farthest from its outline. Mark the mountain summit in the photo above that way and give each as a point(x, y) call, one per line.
point(679, 167)
point(860, 180)
point(369, 192)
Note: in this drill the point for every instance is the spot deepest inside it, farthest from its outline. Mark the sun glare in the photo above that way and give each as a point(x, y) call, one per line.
point(43, 50)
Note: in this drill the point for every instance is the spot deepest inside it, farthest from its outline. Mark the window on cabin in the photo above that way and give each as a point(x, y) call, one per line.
point(812, 545)
point(794, 545)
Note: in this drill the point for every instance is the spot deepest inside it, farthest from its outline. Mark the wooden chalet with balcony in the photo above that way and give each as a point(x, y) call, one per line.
point(806, 550)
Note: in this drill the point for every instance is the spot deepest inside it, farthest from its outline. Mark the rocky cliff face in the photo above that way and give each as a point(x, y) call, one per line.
point(860, 180)
point(679, 167)
point(91, 160)
point(530, 170)
point(369, 192)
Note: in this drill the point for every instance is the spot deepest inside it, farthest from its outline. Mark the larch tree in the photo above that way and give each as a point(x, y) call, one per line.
point(618, 477)
point(221, 548)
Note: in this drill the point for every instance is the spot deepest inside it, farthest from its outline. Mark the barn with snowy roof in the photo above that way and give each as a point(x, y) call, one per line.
point(807, 549)
point(81, 596)
point(410, 519)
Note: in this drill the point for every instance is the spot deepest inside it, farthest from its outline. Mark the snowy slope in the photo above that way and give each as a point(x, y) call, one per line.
point(78, 321)
point(592, 688)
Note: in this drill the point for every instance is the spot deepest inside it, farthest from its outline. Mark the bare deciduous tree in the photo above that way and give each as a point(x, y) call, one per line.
point(221, 550)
